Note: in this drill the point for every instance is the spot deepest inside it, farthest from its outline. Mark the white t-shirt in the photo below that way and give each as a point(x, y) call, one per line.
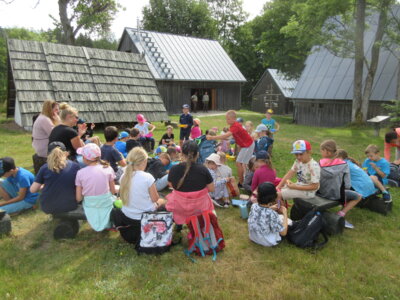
point(139, 196)
point(143, 129)
point(307, 173)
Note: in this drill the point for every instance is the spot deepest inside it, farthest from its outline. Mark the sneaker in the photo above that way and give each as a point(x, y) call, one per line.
point(227, 205)
point(216, 203)
point(387, 197)
point(348, 225)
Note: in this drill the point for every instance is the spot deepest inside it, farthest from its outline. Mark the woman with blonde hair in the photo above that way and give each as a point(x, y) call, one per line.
point(58, 177)
point(41, 130)
point(65, 133)
point(138, 193)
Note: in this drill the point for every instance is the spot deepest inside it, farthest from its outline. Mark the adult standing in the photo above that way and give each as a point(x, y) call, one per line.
point(194, 100)
point(191, 184)
point(65, 133)
point(206, 100)
point(41, 130)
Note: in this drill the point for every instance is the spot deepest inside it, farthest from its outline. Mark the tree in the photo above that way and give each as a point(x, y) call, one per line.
point(229, 15)
point(93, 16)
point(186, 17)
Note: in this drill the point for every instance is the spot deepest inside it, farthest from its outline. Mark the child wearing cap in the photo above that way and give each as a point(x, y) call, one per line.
point(307, 171)
point(264, 142)
point(185, 123)
point(196, 131)
point(242, 139)
point(58, 194)
point(146, 131)
point(221, 191)
point(271, 124)
point(95, 186)
point(264, 172)
point(14, 189)
point(168, 138)
point(120, 145)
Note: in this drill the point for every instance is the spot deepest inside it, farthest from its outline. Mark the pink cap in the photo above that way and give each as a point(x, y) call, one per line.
point(140, 118)
point(90, 151)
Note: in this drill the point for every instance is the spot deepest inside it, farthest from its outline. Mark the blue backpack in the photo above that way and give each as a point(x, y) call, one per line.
point(206, 148)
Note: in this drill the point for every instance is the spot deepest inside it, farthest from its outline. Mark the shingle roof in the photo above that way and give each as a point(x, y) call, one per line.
point(105, 86)
point(183, 58)
point(329, 77)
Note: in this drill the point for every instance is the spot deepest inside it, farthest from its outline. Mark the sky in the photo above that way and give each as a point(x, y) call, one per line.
point(23, 13)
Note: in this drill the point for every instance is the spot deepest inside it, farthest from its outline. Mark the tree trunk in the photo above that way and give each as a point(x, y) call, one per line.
point(398, 81)
point(376, 47)
point(68, 32)
point(356, 112)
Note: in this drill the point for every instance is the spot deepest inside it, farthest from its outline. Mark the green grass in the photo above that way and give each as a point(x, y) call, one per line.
point(362, 263)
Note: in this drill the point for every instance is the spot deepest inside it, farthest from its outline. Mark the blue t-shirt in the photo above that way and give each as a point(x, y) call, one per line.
point(269, 123)
point(110, 154)
point(121, 147)
point(382, 164)
point(24, 179)
point(58, 194)
point(263, 143)
point(360, 180)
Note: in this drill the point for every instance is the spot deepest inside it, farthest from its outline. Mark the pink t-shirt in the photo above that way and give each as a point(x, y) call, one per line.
point(40, 134)
point(196, 132)
point(263, 174)
point(94, 180)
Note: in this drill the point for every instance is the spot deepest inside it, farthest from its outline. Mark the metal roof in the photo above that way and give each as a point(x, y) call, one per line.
point(330, 77)
point(104, 85)
point(286, 85)
point(184, 58)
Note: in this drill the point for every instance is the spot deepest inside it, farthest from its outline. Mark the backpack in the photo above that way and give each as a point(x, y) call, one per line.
point(206, 148)
point(304, 233)
point(332, 183)
point(394, 173)
point(155, 233)
point(205, 236)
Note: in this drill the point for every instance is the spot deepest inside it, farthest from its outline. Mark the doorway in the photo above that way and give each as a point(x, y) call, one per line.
point(212, 94)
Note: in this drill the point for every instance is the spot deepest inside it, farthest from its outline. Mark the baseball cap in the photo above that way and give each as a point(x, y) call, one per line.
point(122, 135)
point(81, 121)
point(54, 145)
point(261, 127)
point(6, 164)
point(185, 106)
point(214, 157)
point(262, 155)
point(89, 151)
point(301, 146)
point(270, 111)
point(161, 149)
point(240, 120)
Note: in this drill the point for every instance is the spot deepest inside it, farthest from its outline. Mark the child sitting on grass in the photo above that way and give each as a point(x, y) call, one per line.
point(156, 167)
point(307, 171)
point(133, 140)
point(335, 181)
point(110, 154)
point(168, 138)
point(263, 142)
point(224, 170)
point(196, 131)
point(264, 172)
point(224, 145)
point(221, 191)
point(146, 131)
point(95, 186)
point(120, 145)
point(378, 170)
point(14, 190)
point(267, 222)
point(248, 178)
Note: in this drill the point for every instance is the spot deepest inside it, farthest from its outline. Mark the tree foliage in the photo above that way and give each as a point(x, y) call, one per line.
point(186, 17)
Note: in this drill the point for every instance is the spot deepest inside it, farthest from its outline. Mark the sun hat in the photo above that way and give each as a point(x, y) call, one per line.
point(197, 121)
point(6, 164)
point(89, 151)
point(270, 111)
point(261, 127)
point(214, 157)
point(185, 106)
point(54, 145)
point(301, 146)
point(140, 118)
point(262, 154)
point(123, 135)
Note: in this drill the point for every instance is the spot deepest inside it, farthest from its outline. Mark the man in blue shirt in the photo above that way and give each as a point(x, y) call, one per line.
point(185, 123)
point(14, 190)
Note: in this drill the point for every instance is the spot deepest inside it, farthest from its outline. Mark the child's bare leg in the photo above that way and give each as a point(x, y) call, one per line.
point(4, 195)
point(377, 183)
point(350, 205)
point(240, 171)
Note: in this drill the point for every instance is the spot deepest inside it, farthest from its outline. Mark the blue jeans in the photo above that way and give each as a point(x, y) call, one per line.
point(161, 183)
point(12, 191)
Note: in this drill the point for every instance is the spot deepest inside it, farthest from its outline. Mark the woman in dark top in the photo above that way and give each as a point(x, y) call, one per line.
point(65, 133)
point(191, 182)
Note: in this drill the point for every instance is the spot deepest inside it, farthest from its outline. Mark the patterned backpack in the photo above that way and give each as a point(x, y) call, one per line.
point(205, 236)
point(156, 232)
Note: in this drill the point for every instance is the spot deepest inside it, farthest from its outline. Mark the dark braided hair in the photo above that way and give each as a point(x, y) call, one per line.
point(190, 150)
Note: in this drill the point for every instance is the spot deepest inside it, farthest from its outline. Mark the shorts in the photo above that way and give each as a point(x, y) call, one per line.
point(351, 195)
point(184, 135)
point(245, 154)
point(292, 193)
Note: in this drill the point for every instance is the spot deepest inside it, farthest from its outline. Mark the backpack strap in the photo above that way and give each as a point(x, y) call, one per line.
point(321, 244)
point(209, 234)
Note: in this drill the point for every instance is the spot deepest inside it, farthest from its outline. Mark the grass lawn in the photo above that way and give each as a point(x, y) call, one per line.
point(363, 263)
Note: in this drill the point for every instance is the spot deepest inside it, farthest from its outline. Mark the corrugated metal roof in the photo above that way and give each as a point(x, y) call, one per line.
point(330, 77)
point(286, 85)
point(183, 58)
point(105, 86)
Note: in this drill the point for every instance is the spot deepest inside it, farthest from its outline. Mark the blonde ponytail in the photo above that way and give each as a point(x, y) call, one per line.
point(57, 160)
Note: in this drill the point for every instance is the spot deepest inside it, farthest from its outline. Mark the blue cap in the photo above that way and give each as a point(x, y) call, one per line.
point(123, 134)
point(262, 155)
point(185, 106)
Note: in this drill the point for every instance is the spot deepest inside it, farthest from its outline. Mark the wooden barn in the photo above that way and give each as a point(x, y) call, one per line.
point(105, 86)
point(183, 65)
point(323, 96)
point(274, 91)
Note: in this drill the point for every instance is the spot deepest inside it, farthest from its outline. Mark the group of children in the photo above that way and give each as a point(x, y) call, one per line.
point(122, 159)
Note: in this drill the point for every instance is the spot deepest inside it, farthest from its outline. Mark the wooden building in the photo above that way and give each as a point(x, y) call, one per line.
point(274, 91)
point(105, 86)
point(323, 95)
point(183, 65)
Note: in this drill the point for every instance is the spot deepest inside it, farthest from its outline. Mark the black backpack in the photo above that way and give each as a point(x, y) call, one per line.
point(304, 233)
